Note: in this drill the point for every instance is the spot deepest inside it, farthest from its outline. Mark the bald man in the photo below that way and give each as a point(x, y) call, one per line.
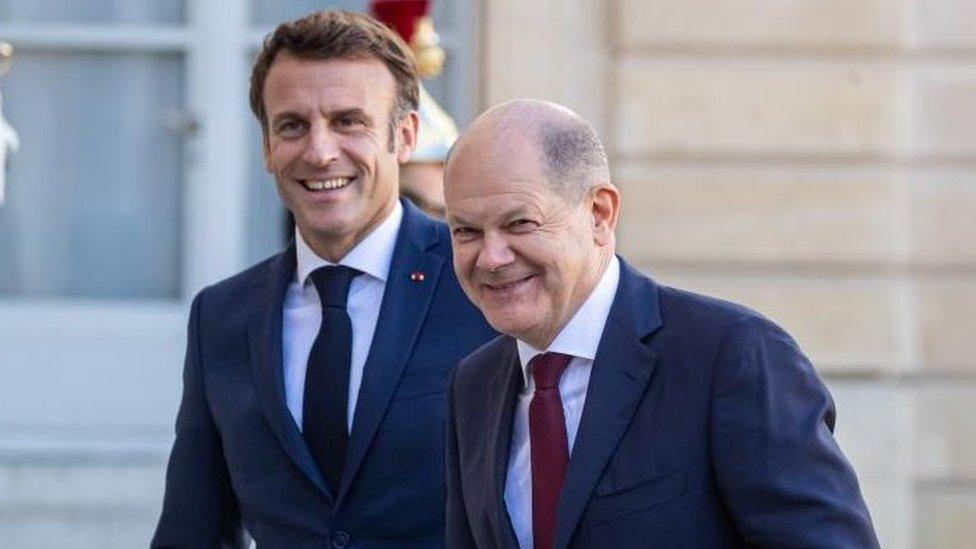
point(617, 412)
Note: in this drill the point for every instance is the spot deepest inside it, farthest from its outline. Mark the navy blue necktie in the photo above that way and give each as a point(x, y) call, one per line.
point(324, 415)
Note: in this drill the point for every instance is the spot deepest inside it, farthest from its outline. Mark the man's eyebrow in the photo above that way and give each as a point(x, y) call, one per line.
point(516, 212)
point(353, 111)
point(285, 114)
point(457, 220)
point(506, 216)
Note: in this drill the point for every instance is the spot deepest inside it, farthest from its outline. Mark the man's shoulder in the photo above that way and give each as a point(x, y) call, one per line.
point(234, 287)
point(433, 233)
point(441, 239)
point(681, 301)
point(678, 307)
point(681, 312)
point(700, 316)
point(484, 361)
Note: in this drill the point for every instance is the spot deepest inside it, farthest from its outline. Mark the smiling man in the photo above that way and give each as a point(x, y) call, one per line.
point(617, 412)
point(312, 411)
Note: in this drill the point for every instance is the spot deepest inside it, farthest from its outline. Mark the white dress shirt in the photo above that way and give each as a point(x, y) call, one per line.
point(579, 339)
point(302, 314)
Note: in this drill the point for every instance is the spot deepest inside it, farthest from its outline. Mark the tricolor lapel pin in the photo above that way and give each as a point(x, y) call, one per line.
point(416, 276)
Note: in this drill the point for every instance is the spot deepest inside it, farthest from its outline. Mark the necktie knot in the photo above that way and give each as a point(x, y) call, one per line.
point(547, 368)
point(332, 283)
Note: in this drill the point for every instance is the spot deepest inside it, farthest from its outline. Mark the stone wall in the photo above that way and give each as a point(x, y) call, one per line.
point(816, 160)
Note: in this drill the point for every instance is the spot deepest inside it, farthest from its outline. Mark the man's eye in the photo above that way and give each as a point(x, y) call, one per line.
point(289, 128)
point(463, 231)
point(348, 122)
point(522, 224)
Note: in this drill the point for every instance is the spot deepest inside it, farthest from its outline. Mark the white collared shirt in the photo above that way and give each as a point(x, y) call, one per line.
point(302, 312)
point(580, 339)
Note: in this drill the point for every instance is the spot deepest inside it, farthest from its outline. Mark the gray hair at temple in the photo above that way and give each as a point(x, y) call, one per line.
point(573, 155)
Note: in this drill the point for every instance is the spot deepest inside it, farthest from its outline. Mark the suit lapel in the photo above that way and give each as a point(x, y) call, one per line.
point(505, 387)
point(622, 368)
point(264, 336)
point(402, 313)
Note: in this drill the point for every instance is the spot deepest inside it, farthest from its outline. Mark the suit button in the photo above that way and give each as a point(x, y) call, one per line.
point(340, 539)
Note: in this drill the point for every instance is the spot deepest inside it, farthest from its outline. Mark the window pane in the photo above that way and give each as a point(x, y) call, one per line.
point(94, 194)
point(271, 12)
point(439, 87)
point(443, 13)
point(93, 11)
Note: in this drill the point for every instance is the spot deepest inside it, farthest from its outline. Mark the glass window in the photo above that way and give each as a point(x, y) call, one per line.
point(94, 195)
point(268, 13)
point(439, 87)
point(165, 12)
point(443, 12)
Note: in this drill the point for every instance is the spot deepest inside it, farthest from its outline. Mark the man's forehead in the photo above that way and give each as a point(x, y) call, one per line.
point(327, 92)
point(499, 149)
point(496, 201)
point(355, 61)
point(367, 76)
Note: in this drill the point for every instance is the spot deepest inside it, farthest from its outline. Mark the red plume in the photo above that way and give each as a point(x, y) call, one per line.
point(400, 15)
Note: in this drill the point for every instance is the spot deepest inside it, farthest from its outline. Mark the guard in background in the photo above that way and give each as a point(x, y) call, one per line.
point(422, 179)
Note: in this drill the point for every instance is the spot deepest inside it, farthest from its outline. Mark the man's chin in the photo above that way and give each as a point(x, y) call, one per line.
point(326, 231)
point(516, 326)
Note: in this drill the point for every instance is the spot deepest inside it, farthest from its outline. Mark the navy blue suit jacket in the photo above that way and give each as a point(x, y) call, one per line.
point(704, 426)
point(239, 458)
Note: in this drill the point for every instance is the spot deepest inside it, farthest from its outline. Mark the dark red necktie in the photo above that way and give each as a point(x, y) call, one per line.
point(549, 447)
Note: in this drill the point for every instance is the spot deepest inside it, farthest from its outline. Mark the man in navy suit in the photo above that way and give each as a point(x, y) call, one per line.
point(313, 403)
point(617, 412)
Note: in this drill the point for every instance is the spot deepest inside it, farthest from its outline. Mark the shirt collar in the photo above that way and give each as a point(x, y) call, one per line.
point(580, 337)
point(372, 255)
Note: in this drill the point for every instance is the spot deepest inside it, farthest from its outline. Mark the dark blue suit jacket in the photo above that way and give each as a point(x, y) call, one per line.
point(704, 426)
point(239, 457)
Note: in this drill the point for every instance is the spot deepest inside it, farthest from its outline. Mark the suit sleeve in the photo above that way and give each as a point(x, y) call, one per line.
point(779, 469)
point(199, 508)
point(458, 530)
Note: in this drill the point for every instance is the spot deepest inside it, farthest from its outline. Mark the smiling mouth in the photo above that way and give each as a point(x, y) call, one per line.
point(330, 184)
point(507, 286)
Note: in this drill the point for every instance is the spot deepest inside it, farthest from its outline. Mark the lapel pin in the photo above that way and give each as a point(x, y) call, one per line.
point(416, 276)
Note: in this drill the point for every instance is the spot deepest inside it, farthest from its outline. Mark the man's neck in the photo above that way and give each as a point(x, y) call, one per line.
point(542, 341)
point(335, 248)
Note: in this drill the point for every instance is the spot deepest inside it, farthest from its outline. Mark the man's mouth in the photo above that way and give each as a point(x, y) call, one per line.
point(507, 286)
point(329, 184)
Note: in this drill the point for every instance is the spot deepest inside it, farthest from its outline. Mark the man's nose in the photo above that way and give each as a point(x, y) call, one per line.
point(322, 147)
point(495, 252)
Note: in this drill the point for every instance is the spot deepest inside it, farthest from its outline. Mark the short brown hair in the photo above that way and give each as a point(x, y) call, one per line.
point(339, 34)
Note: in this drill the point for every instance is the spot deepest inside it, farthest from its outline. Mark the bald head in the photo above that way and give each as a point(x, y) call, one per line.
point(568, 147)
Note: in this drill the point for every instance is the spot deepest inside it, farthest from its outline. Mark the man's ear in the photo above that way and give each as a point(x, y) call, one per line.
point(604, 207)
point(266, 151)
point(406, 136)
